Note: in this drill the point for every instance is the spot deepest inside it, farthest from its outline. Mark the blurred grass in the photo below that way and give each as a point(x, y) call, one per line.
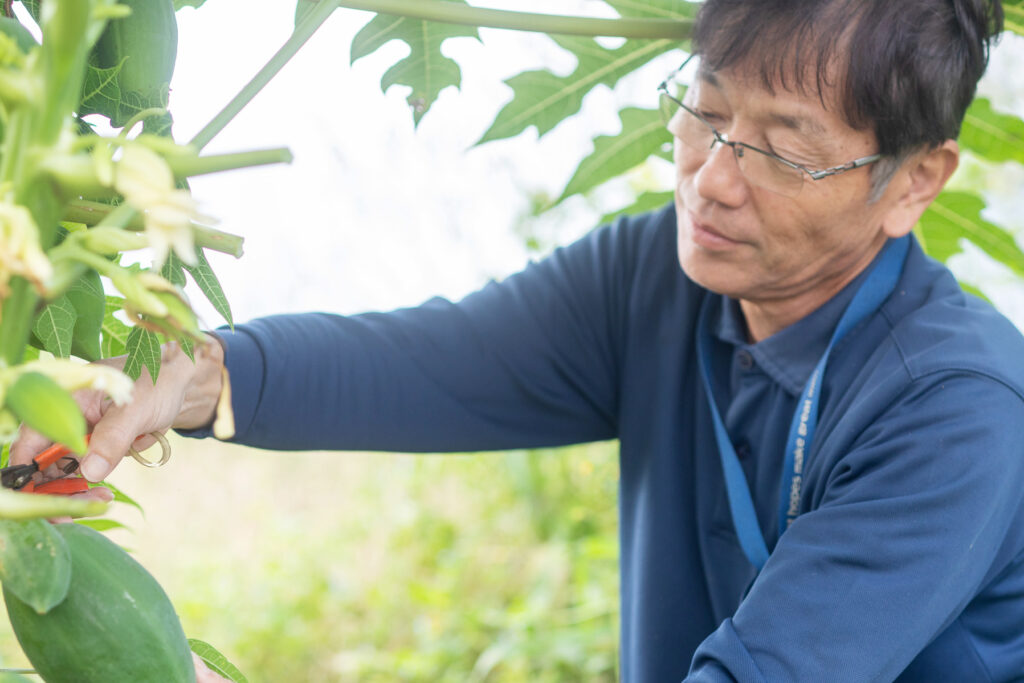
point(384, 567)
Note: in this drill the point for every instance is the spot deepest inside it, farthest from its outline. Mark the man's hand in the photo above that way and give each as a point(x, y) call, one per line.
point(184, 396)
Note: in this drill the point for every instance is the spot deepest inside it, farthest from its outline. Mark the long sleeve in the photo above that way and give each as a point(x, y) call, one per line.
point(526, 362)
point(911, 526)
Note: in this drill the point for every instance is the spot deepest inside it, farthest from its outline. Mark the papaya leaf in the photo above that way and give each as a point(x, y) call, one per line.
point(648, 201)
point(35, 563)
point(208, 283)
point(172, 270)
point(122, 497)
point(992, 135)
point(188, 347)
point(55, 326)
point(1014, 17)
point(100, 92)
point(159, 125)
point(101, 524)
point(642, 135)
point(87, 297)
point(179, 4)
point(217, 662)
point(543, 99)
point(425, 69)
point(133, 103)
point(33, 7)
point(14, 676)
point(114, 333)
point(954, 216)
point(143, 350)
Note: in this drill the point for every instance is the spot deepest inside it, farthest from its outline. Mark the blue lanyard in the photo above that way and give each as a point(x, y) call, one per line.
point(875, 289)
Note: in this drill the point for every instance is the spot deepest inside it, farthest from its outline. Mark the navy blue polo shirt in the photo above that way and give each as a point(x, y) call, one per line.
point(907, 560)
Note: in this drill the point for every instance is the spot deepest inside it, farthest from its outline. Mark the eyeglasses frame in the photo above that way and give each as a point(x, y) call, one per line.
point(738, 146)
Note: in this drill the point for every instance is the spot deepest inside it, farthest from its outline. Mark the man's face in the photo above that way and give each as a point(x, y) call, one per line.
point(749, 243)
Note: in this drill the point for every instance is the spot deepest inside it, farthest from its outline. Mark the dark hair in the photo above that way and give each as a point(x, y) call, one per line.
point(907, 69)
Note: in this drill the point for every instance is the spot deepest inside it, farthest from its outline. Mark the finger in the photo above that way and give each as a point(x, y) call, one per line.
point(111, 438)
point(100, 493)
point(27, 446)
point(30, 443)
point(143, 442)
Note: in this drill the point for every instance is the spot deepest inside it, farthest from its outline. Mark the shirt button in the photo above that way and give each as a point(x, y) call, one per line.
point(744, 360)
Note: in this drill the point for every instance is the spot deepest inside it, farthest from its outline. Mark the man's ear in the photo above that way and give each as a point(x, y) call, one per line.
point(916, 184)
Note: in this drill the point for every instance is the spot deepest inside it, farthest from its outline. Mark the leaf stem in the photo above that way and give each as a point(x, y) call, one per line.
point(18, 313)
point(93, 213)
point(188, 166)
point(218, 240)
point(454, 13)
point(303, 31)
point(76, 173)
point(15, 505)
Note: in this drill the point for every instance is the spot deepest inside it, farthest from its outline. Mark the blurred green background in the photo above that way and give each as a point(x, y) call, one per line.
point(384, 567)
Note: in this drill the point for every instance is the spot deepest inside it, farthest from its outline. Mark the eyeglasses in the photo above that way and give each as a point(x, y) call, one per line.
point(762, 168)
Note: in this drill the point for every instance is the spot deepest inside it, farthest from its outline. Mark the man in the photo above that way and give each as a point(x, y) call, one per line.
point(821, 460)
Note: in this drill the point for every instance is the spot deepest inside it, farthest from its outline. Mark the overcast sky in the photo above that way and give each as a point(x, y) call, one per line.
point(372, 214)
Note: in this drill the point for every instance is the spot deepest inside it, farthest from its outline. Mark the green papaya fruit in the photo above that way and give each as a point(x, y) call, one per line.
point(43, 405)
point(145, 45)
point(115, 625)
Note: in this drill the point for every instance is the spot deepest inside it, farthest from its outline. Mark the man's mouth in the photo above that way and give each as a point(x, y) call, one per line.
point(708, 236)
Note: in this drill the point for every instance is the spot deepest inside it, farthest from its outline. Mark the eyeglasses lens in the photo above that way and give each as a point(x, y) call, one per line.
point(758, 167)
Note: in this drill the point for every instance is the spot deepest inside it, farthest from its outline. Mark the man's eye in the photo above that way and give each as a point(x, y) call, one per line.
point(710, 116)
point(792, 156)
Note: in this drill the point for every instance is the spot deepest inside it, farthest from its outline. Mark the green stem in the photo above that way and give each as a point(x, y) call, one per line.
point(76, 174)
point(188, 166)
point(303, 31)
point(144, 114)
point(15, 140)
point(454, 13)
point(64, 52)
point(18, 313)
point(92, 213)
point(218, 240)
point(15, 505)
point(98, 263)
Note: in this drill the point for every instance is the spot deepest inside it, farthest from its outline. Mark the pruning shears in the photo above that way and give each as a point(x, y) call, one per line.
point(19, 477)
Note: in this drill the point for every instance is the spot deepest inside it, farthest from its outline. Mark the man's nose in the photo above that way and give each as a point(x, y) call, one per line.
point(718, 178)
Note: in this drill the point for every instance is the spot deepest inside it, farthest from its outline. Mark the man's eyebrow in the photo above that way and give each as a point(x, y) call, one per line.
point(801, 124)
point(709, 77)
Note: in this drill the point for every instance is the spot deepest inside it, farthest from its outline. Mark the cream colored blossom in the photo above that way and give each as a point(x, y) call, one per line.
point(20, 253)
point(72, 376)
point(146, 182)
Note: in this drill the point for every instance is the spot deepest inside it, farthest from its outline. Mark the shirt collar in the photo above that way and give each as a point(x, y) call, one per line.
point(789, 356)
